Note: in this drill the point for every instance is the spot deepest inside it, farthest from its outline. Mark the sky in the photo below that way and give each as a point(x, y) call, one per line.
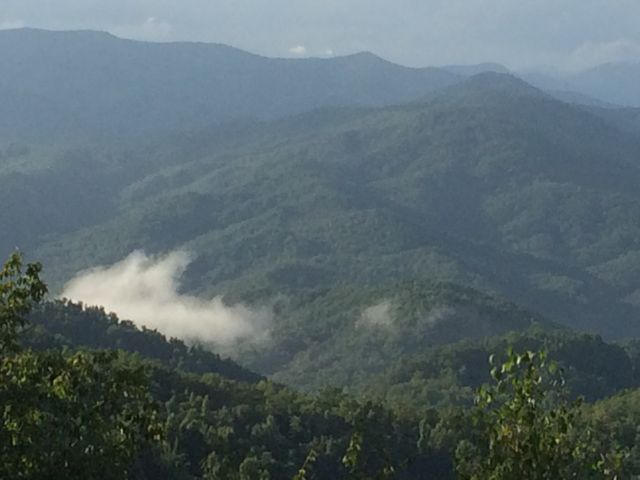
point(567, 35)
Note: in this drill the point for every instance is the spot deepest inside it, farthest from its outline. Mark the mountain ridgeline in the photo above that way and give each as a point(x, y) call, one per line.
point(72, 87)
point(218, 419)
point(489, 183)
point(66, 86)
point(615, 83)
point(368, 234)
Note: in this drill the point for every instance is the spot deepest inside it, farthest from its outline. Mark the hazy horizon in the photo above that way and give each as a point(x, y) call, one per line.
point(537, 69)
point(571, 37)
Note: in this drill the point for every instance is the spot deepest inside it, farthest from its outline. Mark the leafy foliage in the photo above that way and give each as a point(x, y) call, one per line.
point(358, 225)
point(68, 415)
point(448, 375)
point(18, 292)
point(527, 430)
point(76, 415)
point(354, 332)
point(62, 323)
point(217, 427)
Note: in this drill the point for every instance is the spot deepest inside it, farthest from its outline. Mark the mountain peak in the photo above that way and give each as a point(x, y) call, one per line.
point(364, 59)
point(490, 85)
point(503, 82)
point(470, 70)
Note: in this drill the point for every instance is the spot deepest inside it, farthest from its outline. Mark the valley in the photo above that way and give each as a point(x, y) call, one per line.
point(313, 260)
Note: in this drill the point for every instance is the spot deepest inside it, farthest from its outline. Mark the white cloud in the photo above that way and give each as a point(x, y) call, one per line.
point(151, 29)
point(520, 34)
point(378, 315)
point(328, 53)
point(299, 50)
point(145, 290)
point(438, 315)
point(590, 54)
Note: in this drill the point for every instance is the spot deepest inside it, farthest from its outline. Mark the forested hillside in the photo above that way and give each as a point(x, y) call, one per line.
point(74, 86)
point(346, 334)
point(215, 420)
point(374, 271)
point(490, 183)
point(63, 324)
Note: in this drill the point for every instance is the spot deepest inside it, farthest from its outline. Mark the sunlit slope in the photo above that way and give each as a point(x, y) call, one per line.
point(347, 334)
point(490, 183)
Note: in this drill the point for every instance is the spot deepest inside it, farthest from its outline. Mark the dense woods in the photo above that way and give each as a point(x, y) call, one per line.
point(67, 414)
point(463, 188)
point(445, 262)
point(127, 403)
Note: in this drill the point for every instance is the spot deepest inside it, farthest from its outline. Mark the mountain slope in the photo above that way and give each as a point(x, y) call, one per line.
point(348, 334)
point(613, 82)
point(450, 374)
point(216, 419)
point(490, 183)
point(65, 324)
point(239, 429)
point(69, 85)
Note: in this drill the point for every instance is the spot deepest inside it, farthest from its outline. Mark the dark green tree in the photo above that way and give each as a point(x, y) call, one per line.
point(65, 415)
point(18, 292)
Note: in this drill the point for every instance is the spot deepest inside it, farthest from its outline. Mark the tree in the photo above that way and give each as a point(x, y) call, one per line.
point(367, 456)
point(18, 291)
point(62, 414)
point(526, 429)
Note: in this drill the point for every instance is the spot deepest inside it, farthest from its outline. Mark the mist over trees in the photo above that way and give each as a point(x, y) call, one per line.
point(118, 415)
point(315, 269)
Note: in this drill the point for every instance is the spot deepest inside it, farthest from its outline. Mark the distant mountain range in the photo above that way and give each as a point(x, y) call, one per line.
point(65, 85)
point(613, 83)
point(359, 225)
point(302, 179)
point(490, 183)
point(607, 85)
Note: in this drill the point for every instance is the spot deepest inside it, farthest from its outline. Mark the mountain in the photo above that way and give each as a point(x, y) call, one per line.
point(66, 86)
point(216, 418)
point(616, 83)
point(626, 119)
point(397, 227)
point(576, 98)
point(609, 84)
point(65, 324)
point(555, 86)
point(216, 423)
point(470, 70)
point(490, 183)
point(349, 333)
point(450, 374)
